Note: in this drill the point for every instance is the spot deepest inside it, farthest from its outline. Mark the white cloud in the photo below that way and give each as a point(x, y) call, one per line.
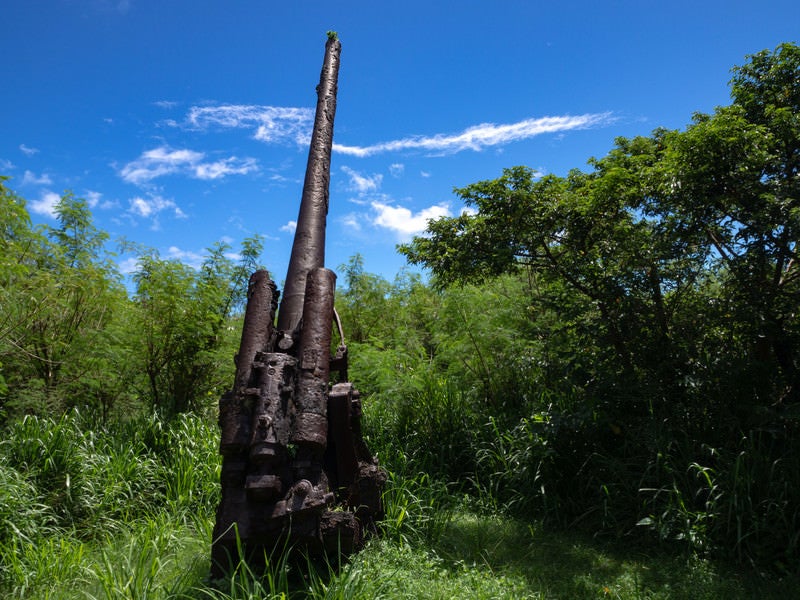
point(290, 227)
point(396, 169)
point(46, 205)
point(151, 207)
point(163, 160)
point(402, 221)
point(352, 222)
point(165, 104)
point(227, 166)
point(6, 165)
point(361, 183)
point(272, 124)
point(187, 257)
point(481, 136)
point(93, 198)
point(158, 162)
point(27, 150)
point(424, 174)
point(141, 207)
point(30, 178)
point(128, 266)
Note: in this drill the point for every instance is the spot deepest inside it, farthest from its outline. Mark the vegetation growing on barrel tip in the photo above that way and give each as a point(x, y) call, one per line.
point(594, 395)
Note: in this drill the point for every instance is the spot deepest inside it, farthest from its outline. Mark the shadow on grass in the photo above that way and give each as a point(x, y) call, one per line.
point(558, 564)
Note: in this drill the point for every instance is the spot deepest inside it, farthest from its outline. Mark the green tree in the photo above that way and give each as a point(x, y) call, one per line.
point(664, 286)
point(659, 228)
point(59, 293)
point(183, 321)
point(732, 179)
point(363, 304)
point(612, 275)
point(17, 245)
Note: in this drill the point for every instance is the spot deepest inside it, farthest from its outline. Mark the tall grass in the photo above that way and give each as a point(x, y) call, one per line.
point(560, 462)
point(154, 558)
point(64, 482)
point(89, 479)
point(438, 539)
point(741, 502)
point(432, 428)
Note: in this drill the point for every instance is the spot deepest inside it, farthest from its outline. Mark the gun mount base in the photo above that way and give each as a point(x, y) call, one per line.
point(296, 472)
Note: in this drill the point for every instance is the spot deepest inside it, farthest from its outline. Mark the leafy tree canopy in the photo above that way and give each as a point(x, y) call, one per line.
point(654, 225)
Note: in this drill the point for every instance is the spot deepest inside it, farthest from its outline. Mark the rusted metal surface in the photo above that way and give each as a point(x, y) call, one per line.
point(308, 249)
point(295, 469)
point(257, 331)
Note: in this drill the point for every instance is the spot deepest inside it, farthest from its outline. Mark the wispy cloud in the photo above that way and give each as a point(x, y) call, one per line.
point(165, 104)
point(352, 222)
point(95, 200)
point(30, 178)
point(277, 124)
point(290, 227)
point(397, 169)
point(271, 124)
point(46, 205)
point(403, 221)
point(28, 151)
point(163, 160)
point(157, 163)
point(382, 212)
point(92, 198)
point(362, 183)
point(481, 136)
point(188, 257)
point(277, 177)
point(128, 265)
point(152, 207)
point(227, 166)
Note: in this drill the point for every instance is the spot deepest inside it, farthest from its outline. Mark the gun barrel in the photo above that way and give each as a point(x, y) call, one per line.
point(295, 468)
point(308, 249)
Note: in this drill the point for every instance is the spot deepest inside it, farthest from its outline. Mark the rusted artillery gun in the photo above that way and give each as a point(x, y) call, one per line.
point(295, 469)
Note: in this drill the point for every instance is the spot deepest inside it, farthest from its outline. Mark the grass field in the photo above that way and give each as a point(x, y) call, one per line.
point(166, 556)
point(128, 513)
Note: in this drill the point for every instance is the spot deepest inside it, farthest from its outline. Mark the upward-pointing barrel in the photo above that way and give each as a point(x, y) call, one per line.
point(308, 249)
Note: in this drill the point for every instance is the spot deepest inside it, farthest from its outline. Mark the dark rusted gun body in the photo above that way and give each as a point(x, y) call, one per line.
point(295, 469)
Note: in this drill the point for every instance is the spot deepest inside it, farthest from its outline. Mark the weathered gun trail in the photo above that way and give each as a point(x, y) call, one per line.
point(295, 469)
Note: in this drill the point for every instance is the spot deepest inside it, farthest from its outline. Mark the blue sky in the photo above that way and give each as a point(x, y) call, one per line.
point(186, 122)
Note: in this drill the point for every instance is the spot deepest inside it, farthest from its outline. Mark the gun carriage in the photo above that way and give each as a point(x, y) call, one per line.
point(295, 469)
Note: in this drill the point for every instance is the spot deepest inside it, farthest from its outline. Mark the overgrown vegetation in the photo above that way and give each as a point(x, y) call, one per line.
point(595, 397)
point(71, 337)
point(663, 318)
point(126, 511)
